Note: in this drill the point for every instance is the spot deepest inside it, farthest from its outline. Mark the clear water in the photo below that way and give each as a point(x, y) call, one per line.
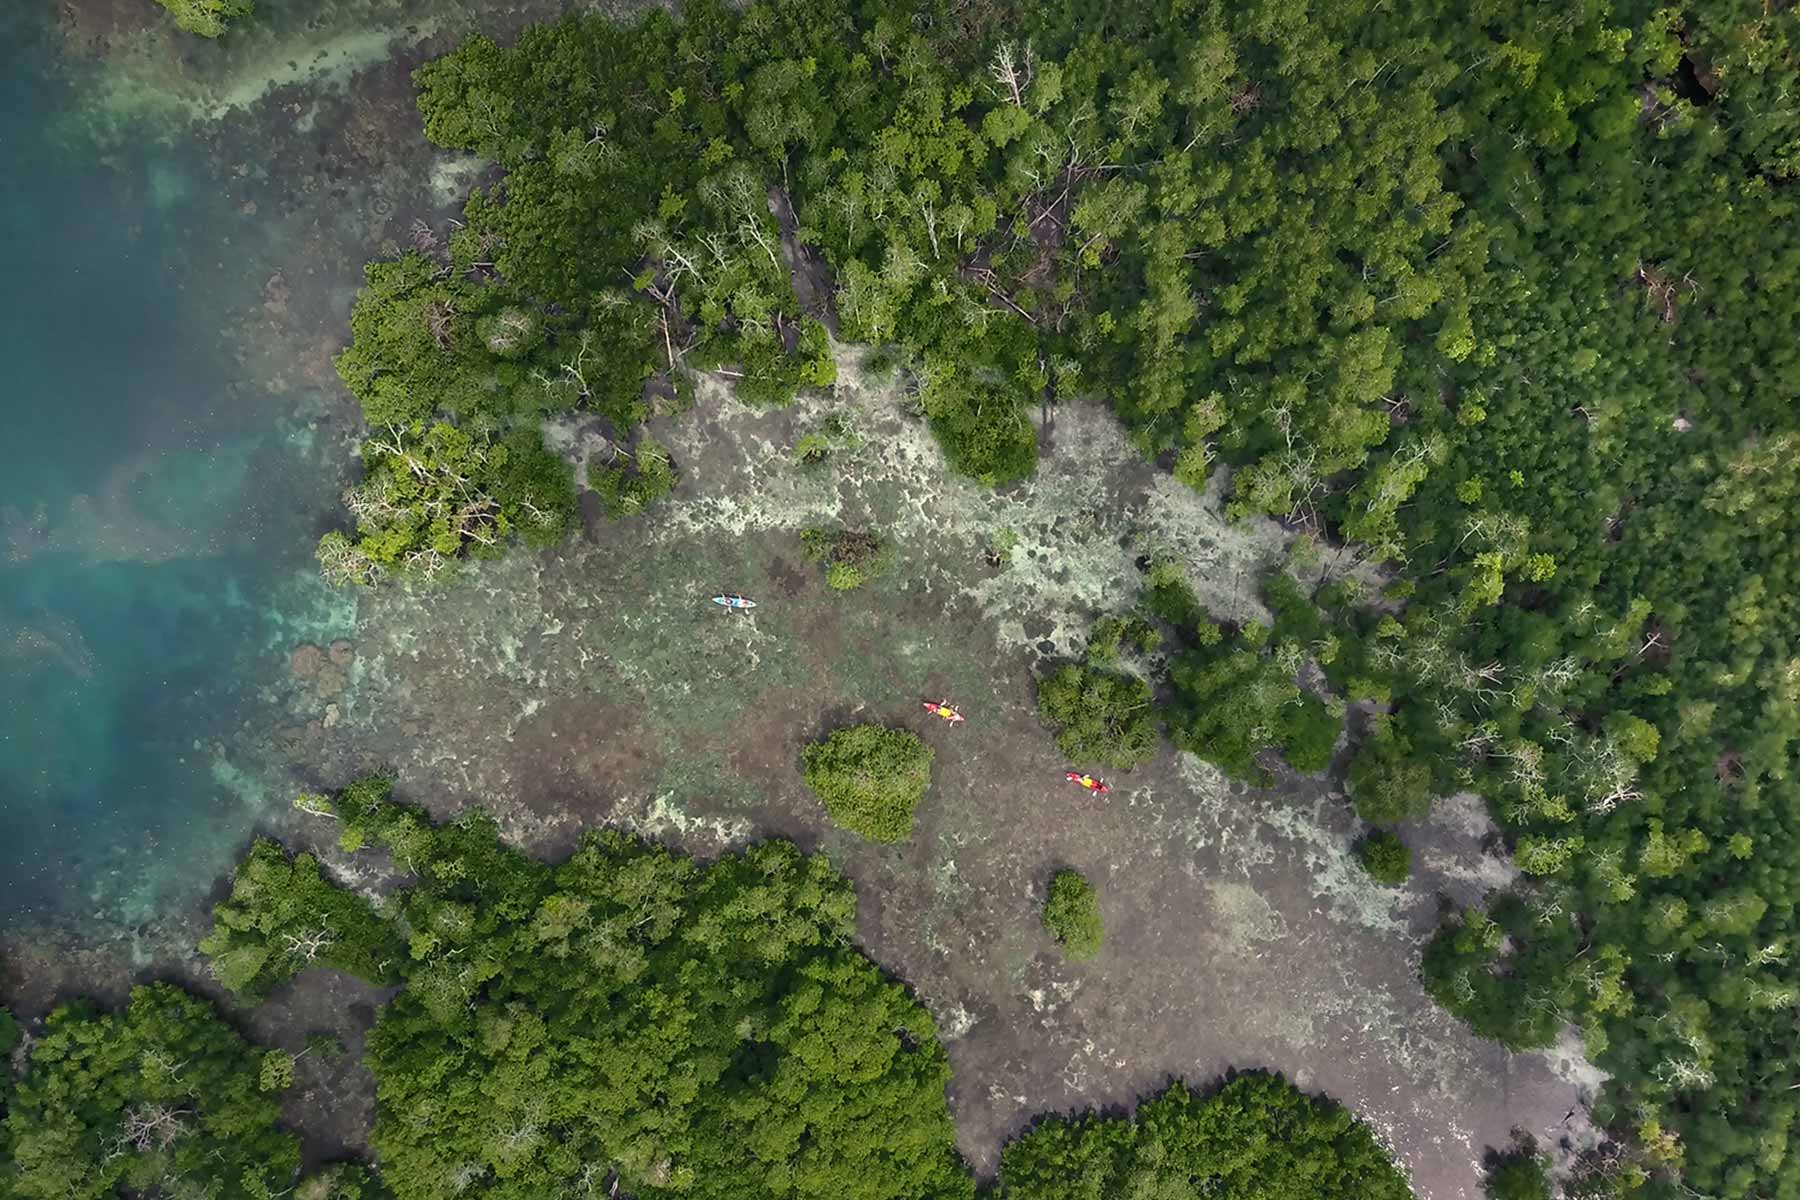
point(153, 504)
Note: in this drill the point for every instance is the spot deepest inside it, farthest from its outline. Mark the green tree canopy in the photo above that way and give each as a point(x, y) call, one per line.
point(1385, 857)
point(1072, 915)
point(161, 1099)
point(631, 1016)
point(1257, 1136)
point(699, 1030)
point(208, 18)
point(1386, 785)
point(1519, 1174)
point(1500, 295)
point(870, 778)
point(1099, 716)
point(283, 916)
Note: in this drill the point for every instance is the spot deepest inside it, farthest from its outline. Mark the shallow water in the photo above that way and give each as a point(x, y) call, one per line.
point(156, 500)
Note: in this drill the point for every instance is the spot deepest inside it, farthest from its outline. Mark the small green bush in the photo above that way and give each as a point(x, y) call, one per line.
point(1072, 915)
point(812, 449)
point(836, 433)
point(850, 556)
point(1385, 857)
point(870, 778)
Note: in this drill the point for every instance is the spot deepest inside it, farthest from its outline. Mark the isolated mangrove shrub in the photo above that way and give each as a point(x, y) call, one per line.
point(1256, 1136)
point(1099, 716)
point(208, 18)
point(837, 433)
point(812, 449)
point(1072, 915)
point(1001, 547)
point(1385, 857)
point(870, 778)
point(850, 556)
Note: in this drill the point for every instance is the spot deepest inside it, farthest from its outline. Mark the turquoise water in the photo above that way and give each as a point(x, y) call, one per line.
point(152, 505)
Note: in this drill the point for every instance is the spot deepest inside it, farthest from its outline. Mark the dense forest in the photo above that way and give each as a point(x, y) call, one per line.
point(162, 1099)
point(626, 1021)
point(1495, 299)
point(1499, 299)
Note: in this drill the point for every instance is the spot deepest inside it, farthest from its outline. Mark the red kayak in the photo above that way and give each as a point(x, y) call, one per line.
point(1093, 785)
point(943, 709)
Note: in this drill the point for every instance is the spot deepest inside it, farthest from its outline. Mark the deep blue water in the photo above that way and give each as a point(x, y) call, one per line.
point(142, 532)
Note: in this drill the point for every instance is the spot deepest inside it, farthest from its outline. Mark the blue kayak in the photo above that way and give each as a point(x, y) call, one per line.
point(730, 601)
